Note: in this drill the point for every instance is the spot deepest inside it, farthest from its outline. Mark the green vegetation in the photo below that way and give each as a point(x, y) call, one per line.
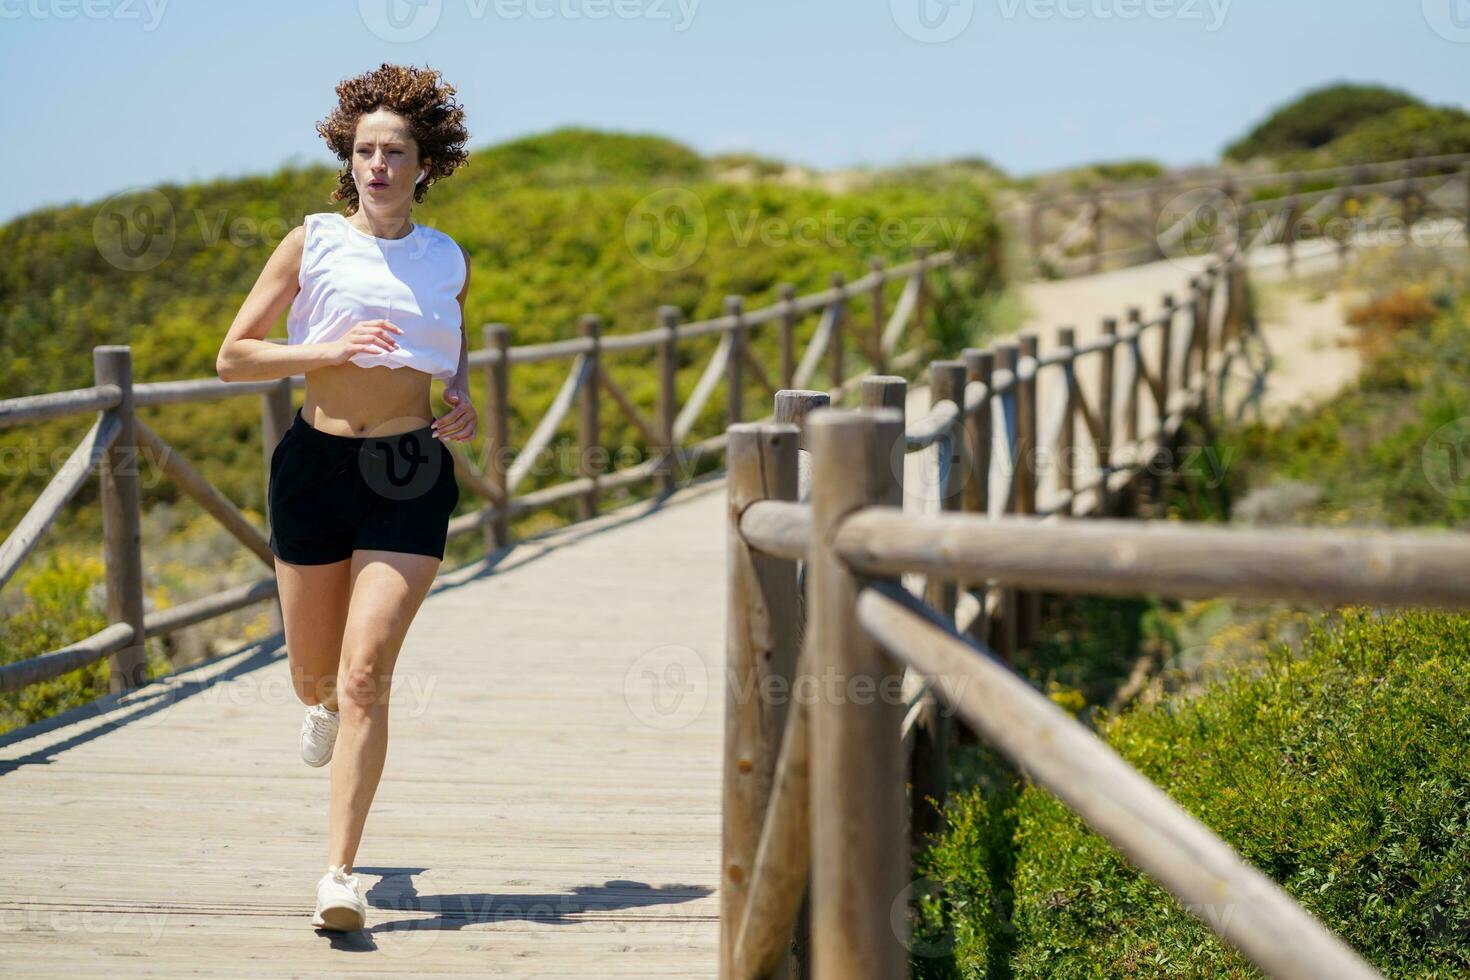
point(569, 222)
point(1317, 118)
point(1331, 756)
point(1390, 451)
point(1337, 771)
point(1345, 125)
point(1398, 135)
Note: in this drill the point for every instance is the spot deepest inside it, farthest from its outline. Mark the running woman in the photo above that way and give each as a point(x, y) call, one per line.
point(362, 484)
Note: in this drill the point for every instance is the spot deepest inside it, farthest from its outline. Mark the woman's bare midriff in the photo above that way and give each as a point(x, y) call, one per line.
point(347, 400)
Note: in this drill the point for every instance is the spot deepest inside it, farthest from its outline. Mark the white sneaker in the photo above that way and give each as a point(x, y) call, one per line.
point(318, 735)
point(338, 905)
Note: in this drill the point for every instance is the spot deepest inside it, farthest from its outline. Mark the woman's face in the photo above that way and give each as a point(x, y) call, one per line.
point(385, 160)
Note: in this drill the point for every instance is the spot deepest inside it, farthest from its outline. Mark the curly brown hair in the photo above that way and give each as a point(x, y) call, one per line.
point(422, 97)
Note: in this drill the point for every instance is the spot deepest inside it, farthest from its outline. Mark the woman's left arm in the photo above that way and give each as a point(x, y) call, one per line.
point(461, 422)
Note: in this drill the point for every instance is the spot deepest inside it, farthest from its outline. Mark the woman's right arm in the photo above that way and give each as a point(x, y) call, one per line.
point(246, 355)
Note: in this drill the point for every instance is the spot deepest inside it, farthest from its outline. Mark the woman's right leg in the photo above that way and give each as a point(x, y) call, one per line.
point(314, 601)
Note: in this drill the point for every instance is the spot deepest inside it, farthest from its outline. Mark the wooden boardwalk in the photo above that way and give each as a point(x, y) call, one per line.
point(550, 805)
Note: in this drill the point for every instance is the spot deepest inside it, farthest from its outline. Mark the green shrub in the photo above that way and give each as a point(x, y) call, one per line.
point(1388, 450)
point(1316, 119)
point(65, 600)
point(1340, 773)
point(1398, 135)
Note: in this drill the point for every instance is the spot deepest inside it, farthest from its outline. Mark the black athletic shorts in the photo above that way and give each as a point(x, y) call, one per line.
point(330, 495)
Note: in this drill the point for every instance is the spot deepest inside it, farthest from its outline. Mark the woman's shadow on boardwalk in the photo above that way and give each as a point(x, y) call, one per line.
point(412, 890)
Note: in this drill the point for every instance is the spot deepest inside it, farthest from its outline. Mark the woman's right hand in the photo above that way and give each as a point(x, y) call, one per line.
point(365, 337)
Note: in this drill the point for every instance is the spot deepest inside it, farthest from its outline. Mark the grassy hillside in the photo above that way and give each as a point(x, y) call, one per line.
point(558, 225)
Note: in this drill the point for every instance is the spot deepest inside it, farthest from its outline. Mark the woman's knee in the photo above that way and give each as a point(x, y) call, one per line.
point(364, 683)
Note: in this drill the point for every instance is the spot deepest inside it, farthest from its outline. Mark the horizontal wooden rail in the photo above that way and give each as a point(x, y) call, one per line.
point(1229, 204)
point(667, 432)
point(1118, 557)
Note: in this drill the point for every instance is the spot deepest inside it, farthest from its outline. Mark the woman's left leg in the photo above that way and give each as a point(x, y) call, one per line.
point(387, 589)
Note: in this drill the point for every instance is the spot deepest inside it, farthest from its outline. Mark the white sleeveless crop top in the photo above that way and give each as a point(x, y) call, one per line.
point(348, 275)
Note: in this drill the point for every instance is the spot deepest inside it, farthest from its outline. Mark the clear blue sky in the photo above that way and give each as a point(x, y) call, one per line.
point(103, 95)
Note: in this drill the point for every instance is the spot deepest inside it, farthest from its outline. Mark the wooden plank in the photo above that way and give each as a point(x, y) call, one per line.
point(527, 822)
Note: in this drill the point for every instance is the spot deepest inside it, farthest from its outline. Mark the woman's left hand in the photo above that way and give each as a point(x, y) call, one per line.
point(461, 422)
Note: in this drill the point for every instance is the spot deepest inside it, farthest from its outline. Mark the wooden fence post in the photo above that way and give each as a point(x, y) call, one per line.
point(793, 405)
point(1004, 635)
point(1207, 330)
point(1067, 436)
point(979, 432)
point(1029, 607)
point(885, 391)
point(792, 408)
point(112, 364)
point(589, 434)
point(1105, 414)
point(668, 399)
point(1166, 360)
point(929, 763)
point(834, 342)
point(879, 358)
point(947, 382)
point(497, 433)
point(1131, 395)
point(735, 366)
point(788, 333)
point(763, 633)
point(859, 866)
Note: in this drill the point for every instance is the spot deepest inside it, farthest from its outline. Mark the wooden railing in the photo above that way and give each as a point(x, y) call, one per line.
point(837, 591)
point(848, 350)
point(1215, 211)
